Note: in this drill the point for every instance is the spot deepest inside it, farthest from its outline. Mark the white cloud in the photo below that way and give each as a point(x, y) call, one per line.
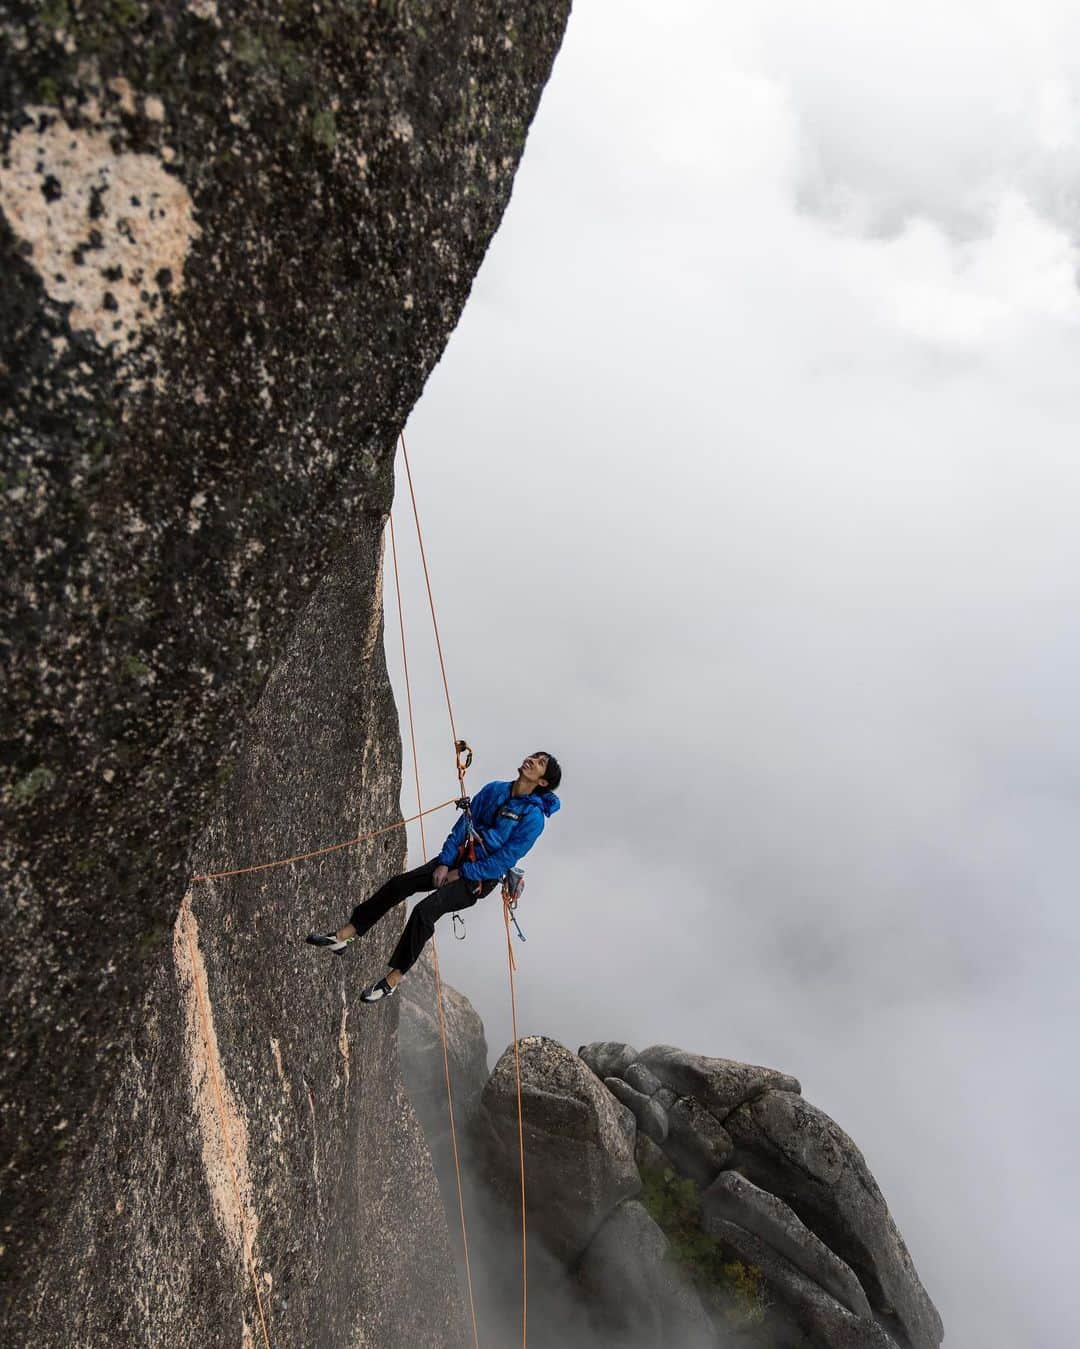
point(761, 418)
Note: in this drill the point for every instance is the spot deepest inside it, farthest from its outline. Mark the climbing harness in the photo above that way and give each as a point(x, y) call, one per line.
point(461, 766)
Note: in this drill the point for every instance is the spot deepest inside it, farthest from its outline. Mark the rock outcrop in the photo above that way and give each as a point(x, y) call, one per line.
point(696, 1201)
point(813, 1221)
point(233, 243)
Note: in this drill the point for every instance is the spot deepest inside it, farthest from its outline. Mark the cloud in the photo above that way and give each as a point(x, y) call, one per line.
point(749, 481)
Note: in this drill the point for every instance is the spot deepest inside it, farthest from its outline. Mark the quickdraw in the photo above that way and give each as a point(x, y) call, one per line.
point(467, 850)
point(513, 887)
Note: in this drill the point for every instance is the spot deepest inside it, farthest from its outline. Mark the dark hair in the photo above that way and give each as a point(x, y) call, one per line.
point(553, 771)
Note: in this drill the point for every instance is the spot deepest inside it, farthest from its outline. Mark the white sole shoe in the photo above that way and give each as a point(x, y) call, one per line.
point(328, 941)
point(377, 991)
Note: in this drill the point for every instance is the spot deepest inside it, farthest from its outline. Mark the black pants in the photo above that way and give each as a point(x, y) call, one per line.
point(418, 930)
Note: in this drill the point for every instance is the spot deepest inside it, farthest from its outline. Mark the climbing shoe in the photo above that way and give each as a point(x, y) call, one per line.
point(329, 941)
point(377, 991)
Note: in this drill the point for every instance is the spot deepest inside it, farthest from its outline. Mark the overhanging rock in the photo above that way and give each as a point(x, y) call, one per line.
point(233, 243)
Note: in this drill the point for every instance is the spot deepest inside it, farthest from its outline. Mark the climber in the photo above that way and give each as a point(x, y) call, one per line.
point(507, 819)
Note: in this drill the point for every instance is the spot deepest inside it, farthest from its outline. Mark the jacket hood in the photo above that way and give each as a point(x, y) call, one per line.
point(548, 802)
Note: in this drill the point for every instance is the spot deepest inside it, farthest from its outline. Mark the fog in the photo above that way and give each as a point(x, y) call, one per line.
point(749, 486)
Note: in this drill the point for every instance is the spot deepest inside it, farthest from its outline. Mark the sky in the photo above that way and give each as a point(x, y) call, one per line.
point(749, 484)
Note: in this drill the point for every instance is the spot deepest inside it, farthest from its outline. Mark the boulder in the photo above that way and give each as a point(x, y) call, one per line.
point(639, 1077)
point(579, 1144)
point(608, 1058)
point(697, 1143)
point(790, 1148)
point(808, 1316)
point(648, 1156)
point(651, 1118)
point(634, 1292)
point(732, 1197)
point(720, 1085)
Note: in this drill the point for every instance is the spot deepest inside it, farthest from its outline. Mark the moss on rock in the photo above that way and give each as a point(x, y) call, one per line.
point(731, 1289)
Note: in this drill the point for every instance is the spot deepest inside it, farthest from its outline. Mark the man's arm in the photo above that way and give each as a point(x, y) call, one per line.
point(524, 835)
point(454, 839)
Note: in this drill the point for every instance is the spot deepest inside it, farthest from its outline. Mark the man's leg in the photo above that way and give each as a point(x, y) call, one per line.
point(458, 894)
point(369, 911)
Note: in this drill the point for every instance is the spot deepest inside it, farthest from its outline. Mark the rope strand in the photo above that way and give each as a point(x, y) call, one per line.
point(506, 918)
point(460, 767)
point(521, 1127)
point(319, 852)
point(431, 598)
point(434, 946)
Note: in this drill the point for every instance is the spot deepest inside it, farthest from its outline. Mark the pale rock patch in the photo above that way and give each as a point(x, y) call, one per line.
point(221, 1124)
point(103, 228)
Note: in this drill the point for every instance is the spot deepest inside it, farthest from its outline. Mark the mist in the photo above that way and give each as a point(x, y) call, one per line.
point(749, 487)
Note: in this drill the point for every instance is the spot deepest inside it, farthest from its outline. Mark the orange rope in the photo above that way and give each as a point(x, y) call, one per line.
point(211, 1058)
point(434, 947)
point(521, 1128)
point(431, 599)
point(318, 852)
point(506, 918)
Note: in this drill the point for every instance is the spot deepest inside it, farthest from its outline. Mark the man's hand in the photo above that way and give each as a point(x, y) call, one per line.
point(440, 875)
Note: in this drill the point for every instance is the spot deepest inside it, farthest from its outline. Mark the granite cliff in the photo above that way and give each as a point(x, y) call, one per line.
point(234, 241)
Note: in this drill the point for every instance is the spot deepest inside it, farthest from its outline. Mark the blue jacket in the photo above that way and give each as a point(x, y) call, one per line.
point(508, 826)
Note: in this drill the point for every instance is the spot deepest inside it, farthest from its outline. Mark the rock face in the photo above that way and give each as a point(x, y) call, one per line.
point(732, 1199)
point(258, 1135)
point(787, 1146)
point(635, 1292)
point(423, 1068)
point(803, 1315)
point(679, 1099)
point(233, 243)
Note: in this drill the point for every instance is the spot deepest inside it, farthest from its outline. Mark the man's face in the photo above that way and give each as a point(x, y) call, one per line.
point(533, 767)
